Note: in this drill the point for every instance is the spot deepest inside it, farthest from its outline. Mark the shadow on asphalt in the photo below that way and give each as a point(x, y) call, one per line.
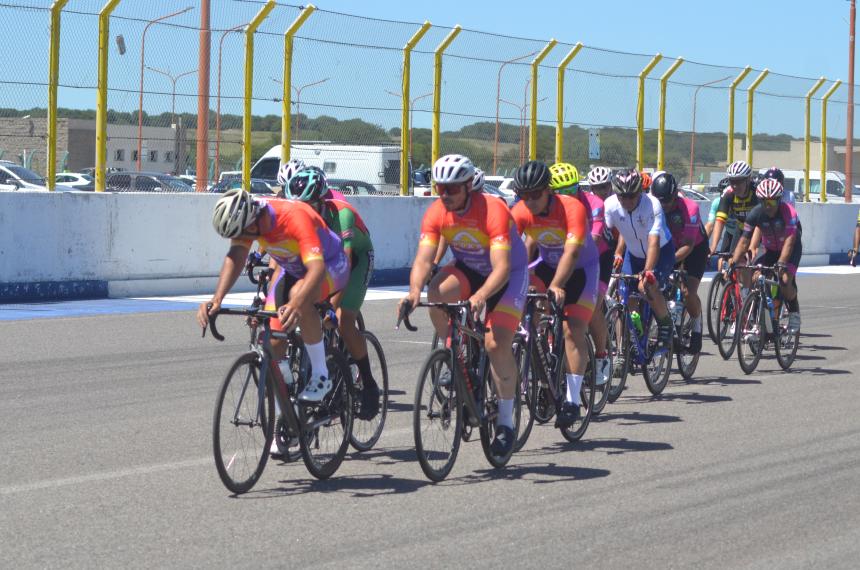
point(688, 397)
point(614, 446)
point(815, 371)
point(353, 485)
point(803, 346)
point(634, 418)
point(719, 381)
point(814, 335)
point(537, 473)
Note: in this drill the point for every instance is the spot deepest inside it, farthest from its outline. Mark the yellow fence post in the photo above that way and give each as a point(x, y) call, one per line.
point(533, 130)
point(559, 127)
point(286, 111)
point(730, 149)
point(437, 88)
point(249, 90)
point(750, 93)
point(405, 120)
point(640, 112)
point(824, 99)
point(53, 80)
point(101, 96)
point(664, 79)
point(807, 137)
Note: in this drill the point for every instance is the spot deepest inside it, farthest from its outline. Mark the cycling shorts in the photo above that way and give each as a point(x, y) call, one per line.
point(606, 260)
point(771, 256)
point(282, 283)
point(505, 306)
point(665, 264)
point(359, 279)
point(580, 291)
point(696, 262)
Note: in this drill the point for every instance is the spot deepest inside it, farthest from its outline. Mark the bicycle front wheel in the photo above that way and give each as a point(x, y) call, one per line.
point(242, 427)
point(727, 336)
point(657, 366)
point(785, 342)
point(365, 433)
point(751, 333)
point(687, 362)
point(713, 307)
point(436, 418)
point(586, 396)
point(619, 349)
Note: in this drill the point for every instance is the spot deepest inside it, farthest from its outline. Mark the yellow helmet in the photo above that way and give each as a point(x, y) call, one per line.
point(565, 178)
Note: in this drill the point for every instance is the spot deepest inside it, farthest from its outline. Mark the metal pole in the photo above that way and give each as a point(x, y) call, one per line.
point(849, 131)
point(406, 108)
point(218, 103)
point(533, 132)
point(286, 134)
point(640, 112)
point(559, 127)
point(101, 97)
point(249, 91)
point(437, 88)
point(750, 94)
point(204, 52)
point(498, 96)
point(807, 138)
point(664, 79)
point(824, 99)
point(730, 150)
point(53, 80)
point(298, 91)
point(693, 133)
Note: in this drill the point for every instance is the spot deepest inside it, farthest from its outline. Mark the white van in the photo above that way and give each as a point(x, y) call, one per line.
point(795, 182)
point(375, 164)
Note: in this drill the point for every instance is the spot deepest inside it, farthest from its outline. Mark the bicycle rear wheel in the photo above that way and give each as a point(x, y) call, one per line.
point(586, 394)
point(436, 417)
point(751, 333)
point(601, 393)
point(327, 425)
point(365, 433)
point(727, 334)
point(785, 342)
point(619, 349)
point(527, 391)
point(657, 367)
point(686, 362)
point(242, 429)
point(713, 308)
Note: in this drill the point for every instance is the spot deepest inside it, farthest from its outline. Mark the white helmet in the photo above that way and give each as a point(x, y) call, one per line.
point(234, 211)
point(599, 175)
point(478, 180)
point(453, 169)
point(288, 170)
point(769, 189)
point(738, 169)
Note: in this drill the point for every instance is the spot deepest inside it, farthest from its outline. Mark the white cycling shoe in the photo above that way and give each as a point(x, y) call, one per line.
point(316, 390)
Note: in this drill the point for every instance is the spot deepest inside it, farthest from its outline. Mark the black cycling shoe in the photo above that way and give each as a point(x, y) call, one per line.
point(664, 336)
point(503, 442)
point(695, 342)
point(567, 415)
point(369, 401)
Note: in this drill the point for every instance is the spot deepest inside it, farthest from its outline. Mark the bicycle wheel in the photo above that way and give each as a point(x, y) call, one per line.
point(656, 368)
point(751, 332)
point(727, 336)
point(785, 342)
point(586, 394)
point(544, 408)
point(619, 349)
point(713, 307)
point(527, 391)
point(601, 393)
point(288, 444)
point(436, 418)
point(491, 412)
point(365, 433)
point(686, 362)
point(241, 427)
point(327, 425)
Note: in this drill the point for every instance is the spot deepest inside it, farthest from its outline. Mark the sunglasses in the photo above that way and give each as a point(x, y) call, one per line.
point(449, 189)
point(771, 203)
point(737, 181)
point(530, 195)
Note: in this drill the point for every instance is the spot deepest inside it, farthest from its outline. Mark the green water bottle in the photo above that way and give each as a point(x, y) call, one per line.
point(637, 321)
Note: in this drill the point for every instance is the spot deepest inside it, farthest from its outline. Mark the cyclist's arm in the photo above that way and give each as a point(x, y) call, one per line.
point(621, 247)
point(421, 267)
point(531, 246)
point(682, 252)
point(440, 251)
point(857, 237)
point(744, 244)
point(500, 260)
point(653, 253)
point(716, 234)
point(787, 248)
point(234, 263)
point(311, 283)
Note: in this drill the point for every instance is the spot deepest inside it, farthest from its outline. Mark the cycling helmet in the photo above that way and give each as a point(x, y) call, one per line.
point(478, 180)
point(234, 211)
point(646, 181)
point(769, 189)
point(755, 179)
point(289, 169)
point(664, 187)
point(533, 175)
point(564, 178)
point(775, 173)
point(739, 169)
point(599, 175)
point(626, 182)
point(453, 169)
point(724, 183)
point(308, 185)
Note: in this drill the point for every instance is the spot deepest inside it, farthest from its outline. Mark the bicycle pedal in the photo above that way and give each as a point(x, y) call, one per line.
point(466, 434)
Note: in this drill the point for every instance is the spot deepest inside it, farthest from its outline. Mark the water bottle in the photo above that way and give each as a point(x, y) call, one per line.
point(637, 321)
point(769, 318)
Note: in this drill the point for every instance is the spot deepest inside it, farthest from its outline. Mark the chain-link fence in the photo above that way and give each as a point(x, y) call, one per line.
point(345, 100)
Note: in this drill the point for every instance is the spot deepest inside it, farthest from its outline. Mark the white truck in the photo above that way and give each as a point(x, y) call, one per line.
point(378, 165)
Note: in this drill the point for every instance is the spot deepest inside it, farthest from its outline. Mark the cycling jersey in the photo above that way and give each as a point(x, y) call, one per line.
point(645, 220)
point(565, 222)
point(344, 220)
point(595, 206)
point(684, 223)
point(775, 230)
point(733, 206)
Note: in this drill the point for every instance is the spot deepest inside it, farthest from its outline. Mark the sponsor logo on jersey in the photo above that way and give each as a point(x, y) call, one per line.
point(467, 242)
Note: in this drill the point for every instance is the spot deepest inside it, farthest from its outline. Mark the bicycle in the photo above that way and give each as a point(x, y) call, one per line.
point(614, 315)
point(731, 302)
point(540, 354)
point(676, 302)
point(764, 320)
point(453, 380)
point(714, 298)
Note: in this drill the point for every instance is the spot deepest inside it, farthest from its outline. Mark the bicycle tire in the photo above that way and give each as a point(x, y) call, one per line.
point(574, 433)
point(527, 419)
point(785, 343)
point(687, 362)
point(601, 393)
point(336, 409)
point(713, 307)
point(242, 397)
point(365, 433)
point(438, 402)
point(656, 377)
point(544, 409)
point(619, 347)
point(727, 339)
point(751, 334)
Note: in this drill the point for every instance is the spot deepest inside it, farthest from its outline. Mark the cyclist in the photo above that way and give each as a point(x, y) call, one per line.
point(477, 186)
point(738, 200)
point(490, 270)
point(312, 267)
point(775, 223)
point(852, 255)
point(557, 226)
point(565, 181)
point(286, 171)
point(691, 246)
point(777, 174)
point(644, 244)
point(310, 186)
point(712, 215)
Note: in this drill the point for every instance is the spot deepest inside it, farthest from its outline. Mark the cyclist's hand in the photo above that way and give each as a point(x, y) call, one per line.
point(852, 257)
point(434, 270)
point(289, 316)
point(478, 302)
point(205, 309)
point(558, 295)
point(780, 267)
point(408, 304)
point(617, 262)
point(648, 277)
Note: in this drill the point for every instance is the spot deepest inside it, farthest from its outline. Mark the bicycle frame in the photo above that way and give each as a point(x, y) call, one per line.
point(534, 349)
point(640, 346)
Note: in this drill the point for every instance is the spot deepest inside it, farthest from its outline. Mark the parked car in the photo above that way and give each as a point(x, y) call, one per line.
point(16, 177)
point(145, 182)
point(693, 195)
point(509, 198)
point(78, 181)
point(257, 186)
point(353, 187)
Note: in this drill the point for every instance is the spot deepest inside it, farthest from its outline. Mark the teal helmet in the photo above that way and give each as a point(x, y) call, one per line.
point(308, 185)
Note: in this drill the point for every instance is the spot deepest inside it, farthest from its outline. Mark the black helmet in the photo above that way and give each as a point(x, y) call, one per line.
point(724, 183)
point(755, 179)
point(664, 187)
point(533, 175)
point(776, 174)
point(626, 181)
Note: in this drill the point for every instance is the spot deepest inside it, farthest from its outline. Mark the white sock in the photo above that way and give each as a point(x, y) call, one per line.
point(316, 353)
point(696, 323)
point(574, 383)
point(506, 413)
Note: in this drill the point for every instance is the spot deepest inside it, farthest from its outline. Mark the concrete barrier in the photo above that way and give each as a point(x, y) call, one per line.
point(82, 244)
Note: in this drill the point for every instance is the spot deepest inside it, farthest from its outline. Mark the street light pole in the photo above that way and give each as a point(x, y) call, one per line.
point(298, 91)
point(140, 102)
point(693, 128)
point(173, 80)
point(411, 111)
point(849, 131)
point(498, 99)
point(218, 104)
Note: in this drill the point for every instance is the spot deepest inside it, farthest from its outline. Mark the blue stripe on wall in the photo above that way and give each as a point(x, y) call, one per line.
point(53, 291)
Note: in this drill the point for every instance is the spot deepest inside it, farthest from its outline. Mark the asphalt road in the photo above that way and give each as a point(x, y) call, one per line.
point(106, 462)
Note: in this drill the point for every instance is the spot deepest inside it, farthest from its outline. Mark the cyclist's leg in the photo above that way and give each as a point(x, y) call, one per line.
point(580, 297)
point(789, 287)
point(695, 265)
point(351, 301)
point(597, 325)
point(279, 292)
point(664, 267)
point(454, 282)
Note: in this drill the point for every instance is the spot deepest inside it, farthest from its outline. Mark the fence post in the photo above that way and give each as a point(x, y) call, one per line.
point(807, 137)
point(405, 123)
point(640, 112)
point(53, 80)
point(664, 79)
point(559, 128)
point(824, 99)
point(750, 93)
point(437, 88)
point(101, 96)
point(249, 91)
point(533, 131)
point(730, 150)
point(286, 110)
